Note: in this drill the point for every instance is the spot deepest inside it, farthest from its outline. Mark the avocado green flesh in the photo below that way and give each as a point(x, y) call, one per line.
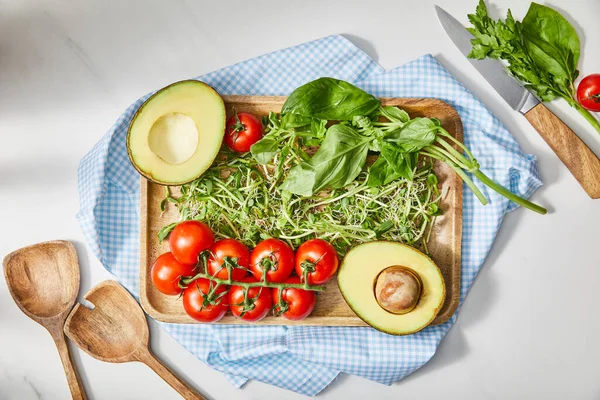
point(177, 133)
point(358, 273)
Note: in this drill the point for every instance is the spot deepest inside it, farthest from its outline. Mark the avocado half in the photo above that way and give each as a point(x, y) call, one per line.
point(177, 133)
point(357, 279)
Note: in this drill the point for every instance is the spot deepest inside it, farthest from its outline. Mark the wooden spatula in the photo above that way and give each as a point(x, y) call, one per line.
point(116, 331)
point(43, 279)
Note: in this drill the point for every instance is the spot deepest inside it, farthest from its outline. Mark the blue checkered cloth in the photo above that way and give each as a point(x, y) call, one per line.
point(307, 359)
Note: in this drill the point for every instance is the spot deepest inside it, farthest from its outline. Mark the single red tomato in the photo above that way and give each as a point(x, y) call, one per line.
point(228, 251)
point(318, 260)
point(242, 131)
point(204, 301)
point(274, 256)
point(298, 303)
point(189, 239)
point(166, 272)
point(259, 302)
point(588, 92)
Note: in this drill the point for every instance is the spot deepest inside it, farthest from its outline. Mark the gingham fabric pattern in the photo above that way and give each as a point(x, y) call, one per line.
point(307, 359)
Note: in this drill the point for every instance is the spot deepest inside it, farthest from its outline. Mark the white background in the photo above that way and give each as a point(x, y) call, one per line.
point(528, 329)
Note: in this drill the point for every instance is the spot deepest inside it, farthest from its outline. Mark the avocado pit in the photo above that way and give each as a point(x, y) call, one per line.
point(174, 138)
point(398, 289)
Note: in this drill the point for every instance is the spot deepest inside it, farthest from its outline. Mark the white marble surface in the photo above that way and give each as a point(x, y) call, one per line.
point(529, 327)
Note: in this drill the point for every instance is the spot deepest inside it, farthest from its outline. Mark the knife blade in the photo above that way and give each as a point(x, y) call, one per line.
point(572, 151)
point(493, 71)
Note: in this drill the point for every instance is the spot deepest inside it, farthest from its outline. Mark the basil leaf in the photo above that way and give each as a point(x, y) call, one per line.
point(290, 121)
point(338, 162)
point(381, 173)
point(414, 135)
point(551, 42)
point(317, 127)
point(395, 114)
point(403, 164)
point(264, 150)
point(330, 99)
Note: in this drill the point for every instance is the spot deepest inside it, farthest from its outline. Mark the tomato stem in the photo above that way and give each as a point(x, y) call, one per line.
point(280, 286)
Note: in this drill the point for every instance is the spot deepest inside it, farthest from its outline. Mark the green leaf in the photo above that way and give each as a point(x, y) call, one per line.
point(551, 42)
point(381, 173)
point(291, 121)
point(402, 163)
point(317, 127)
point(164, 232)
point(414, 135)
point(383, 228)
point(395, 114)
point(338, 162)
point(265, 149)
point(330, 99)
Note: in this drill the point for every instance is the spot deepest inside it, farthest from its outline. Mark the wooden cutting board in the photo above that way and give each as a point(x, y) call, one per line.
point(331, 309)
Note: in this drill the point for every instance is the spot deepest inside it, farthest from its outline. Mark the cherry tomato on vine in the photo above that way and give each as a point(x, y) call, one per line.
point(228, 251)
point(257, 304)
point(189, 239)
point(297, 303)
point(317, 260)
point(166, 272)
point(242, 131)
point(274, 256)
point(588, 92)
point(205, 301)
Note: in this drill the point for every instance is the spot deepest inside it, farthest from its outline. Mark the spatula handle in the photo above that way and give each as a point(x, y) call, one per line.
point(167, 375)
point(573, 152)
point(77, 390)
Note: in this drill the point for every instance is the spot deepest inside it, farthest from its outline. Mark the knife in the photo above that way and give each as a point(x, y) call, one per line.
point(572, 151)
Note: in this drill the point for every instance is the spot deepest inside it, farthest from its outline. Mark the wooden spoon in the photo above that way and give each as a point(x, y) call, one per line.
point(43, 279)
point(116, 331)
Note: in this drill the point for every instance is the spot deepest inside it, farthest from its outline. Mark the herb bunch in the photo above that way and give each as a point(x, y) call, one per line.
point(542, 51)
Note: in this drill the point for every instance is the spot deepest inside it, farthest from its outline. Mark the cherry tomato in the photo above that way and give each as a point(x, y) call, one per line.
point(588, 92)
point(204, 301)
point(166, 272)
point(259, 305)
point(275, 256)
point(299, 302)
point(242, 131)
point(318, 260)
point(228, 250)
point(189, 239)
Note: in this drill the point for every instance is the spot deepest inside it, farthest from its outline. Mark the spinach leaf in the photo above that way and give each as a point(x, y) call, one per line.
point(290, 121)
point(414, 135)
point(395, 114)
point(552, 43)
point(381, 173)
point(265, 149)
point(330, 99)
point(338, 162)
point(403, 164)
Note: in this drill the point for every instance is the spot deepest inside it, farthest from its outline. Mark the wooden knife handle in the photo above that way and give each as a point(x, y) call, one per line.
point(573, 152)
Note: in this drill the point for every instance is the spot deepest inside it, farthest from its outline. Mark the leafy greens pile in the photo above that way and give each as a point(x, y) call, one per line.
point(240, 197)
point(399, 140)
point(542, 51)
point(311, 174)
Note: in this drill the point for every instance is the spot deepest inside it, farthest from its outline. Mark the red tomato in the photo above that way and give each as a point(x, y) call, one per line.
point(318, 260)
point(202, 302)
point(260, 302)
point(299, 302)
point(228, 250)
point(189, 239)
point(588, 92)
point(166, 272)
point(242, 131)
point(275, 256)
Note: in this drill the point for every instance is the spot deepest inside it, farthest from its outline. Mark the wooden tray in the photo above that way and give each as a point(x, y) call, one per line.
point(331, 309)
